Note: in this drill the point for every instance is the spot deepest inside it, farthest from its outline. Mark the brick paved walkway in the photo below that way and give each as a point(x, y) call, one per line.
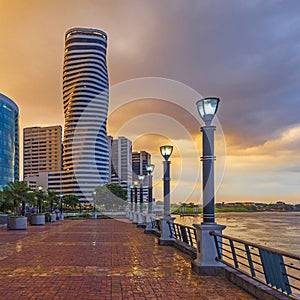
point(99, 259)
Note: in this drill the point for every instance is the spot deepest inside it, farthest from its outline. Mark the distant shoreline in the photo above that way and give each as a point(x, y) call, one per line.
point(230, 210)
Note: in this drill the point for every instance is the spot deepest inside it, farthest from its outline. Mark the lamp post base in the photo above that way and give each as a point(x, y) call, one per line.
point(130, 215)
point(149, 227)
point(206, 263)
point(165, 238)
point(141, 220)
point(135, 218)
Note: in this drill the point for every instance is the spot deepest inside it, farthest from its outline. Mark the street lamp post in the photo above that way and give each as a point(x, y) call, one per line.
point(130, 214)
point(135, 213)
point(205, 262)
point(94, 210)
point(141, 222)
point(61, 206)
point(149, 169)
point(165, 238)
point(39, 200)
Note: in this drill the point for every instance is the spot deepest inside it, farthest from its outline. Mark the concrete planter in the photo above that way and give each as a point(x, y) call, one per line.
point(17, 223)
point(37, 220)
point(3, 219)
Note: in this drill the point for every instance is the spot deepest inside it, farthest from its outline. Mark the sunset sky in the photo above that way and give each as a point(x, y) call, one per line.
point(162, 57)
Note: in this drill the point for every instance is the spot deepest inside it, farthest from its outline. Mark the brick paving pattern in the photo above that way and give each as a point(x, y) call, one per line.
point(99, 259)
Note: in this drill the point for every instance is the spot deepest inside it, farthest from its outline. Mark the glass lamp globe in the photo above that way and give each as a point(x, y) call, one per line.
point(150, 168)
point(207, 108)
point(141, 178)
point(166, 151)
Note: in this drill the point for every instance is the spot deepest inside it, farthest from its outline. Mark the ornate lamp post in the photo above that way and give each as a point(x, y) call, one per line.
point(135, 213)
point(149, 169)
point(206, 253)
point(130, 215)
point(165, 239)
point(141, 222)
point(94, 211)
point(61, 206)
point(39, 199)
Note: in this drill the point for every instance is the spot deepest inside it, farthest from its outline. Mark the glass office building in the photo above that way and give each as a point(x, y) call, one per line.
point(9, 141)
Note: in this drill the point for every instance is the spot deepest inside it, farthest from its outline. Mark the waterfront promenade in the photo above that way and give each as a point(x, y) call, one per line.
point(99, 259)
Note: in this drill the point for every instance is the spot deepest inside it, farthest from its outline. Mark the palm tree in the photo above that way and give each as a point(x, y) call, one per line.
point(16, 192)
point(52, 199)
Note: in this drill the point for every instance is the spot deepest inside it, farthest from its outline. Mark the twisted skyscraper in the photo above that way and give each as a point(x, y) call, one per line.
point(85, 98)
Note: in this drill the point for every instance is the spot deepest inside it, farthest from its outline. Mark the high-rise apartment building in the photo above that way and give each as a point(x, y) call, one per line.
point(121, 161)
point(9, 141)
point(85, 99)
point(42, 147)
point(139, 162)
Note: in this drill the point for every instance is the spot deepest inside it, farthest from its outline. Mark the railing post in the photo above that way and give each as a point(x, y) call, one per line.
point(236, 264)
point(251, 267)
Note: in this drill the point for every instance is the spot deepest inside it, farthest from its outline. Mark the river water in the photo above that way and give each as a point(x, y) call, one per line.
point(279, 230)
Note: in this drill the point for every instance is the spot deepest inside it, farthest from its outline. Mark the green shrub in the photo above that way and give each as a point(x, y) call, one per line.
point(85, 215)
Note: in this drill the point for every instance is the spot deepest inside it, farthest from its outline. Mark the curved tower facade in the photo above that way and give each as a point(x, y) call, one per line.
point(9, 141)
point(85, 99)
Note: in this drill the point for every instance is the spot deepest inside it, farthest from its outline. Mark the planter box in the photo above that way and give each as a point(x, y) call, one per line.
point(16, 223)
point(3, 219)
point(37, 220)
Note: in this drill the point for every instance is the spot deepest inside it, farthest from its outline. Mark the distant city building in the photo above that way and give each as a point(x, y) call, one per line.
point(55, 181)
point(121, 161)
point(42, 147)
point(9, 141)
point(139, 162)
point(85, 99)
point(109, 142)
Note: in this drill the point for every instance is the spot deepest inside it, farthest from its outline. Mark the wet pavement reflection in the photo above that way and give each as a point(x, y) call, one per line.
point(99, 259)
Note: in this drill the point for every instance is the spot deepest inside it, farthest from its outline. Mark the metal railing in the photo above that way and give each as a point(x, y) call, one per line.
point(277, 269)
point(185, 234)
point(156, 224)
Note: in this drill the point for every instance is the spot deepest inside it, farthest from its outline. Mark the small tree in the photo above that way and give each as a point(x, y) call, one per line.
point(117, 190)
point(40, 196)
point(111, 196)
point(71, 201)
point(52, 199)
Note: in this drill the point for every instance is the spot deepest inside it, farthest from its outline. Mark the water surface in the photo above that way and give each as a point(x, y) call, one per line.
point(280, 230)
